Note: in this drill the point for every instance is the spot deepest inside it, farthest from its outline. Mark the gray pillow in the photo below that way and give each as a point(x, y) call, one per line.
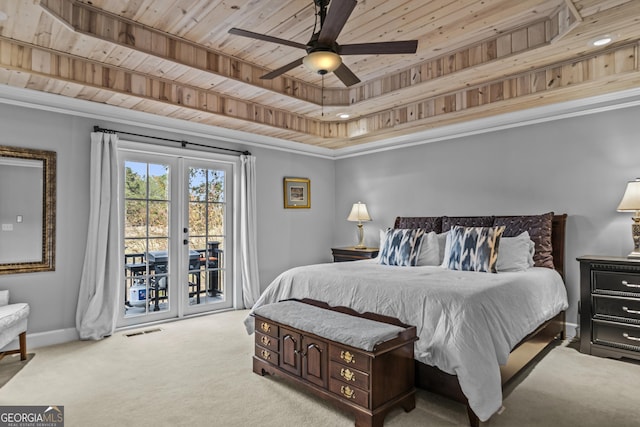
point(539, 228)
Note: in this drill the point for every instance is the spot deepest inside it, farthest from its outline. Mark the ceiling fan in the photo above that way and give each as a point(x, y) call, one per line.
point(323, 52)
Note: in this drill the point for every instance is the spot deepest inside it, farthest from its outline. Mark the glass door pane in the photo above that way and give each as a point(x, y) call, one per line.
point(148, 293)
point(177, 251)
point(208, 193)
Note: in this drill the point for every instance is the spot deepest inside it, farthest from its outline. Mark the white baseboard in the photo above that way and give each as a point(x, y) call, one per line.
point(571, 330)
point(43, 339)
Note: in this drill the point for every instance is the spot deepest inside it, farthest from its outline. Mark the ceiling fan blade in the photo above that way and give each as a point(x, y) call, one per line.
point(252, 35)
point(385, 48)
point(339, 12)
point(282, 70)
point(346, 75)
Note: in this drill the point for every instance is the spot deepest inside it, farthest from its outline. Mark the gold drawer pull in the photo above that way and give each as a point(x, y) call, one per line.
point(626, 309)
point(347, 357)
point(265, 355)
point(629, 337)
point(265, 327)
point(347, 374)
point(630, 285)
point(348, 392)
point(265, 340)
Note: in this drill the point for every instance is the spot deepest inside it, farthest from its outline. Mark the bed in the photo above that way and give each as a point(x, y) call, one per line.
point(476, 329)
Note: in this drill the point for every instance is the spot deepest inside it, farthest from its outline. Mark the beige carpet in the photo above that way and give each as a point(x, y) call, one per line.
point(197, 372)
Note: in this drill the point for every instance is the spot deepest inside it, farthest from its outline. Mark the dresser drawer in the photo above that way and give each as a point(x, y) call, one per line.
point(268, 355)
point(349, 375)
point(604, 281)
point(349, 358)
point(624, 308)
point(266, 341)
point(266, 327)
point(349, 392)
point(616, 335)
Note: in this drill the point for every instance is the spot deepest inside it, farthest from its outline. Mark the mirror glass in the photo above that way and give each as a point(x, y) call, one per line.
point(27, 210)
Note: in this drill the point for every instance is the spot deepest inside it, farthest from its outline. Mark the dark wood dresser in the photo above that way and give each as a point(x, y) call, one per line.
point(610, 306)
point(351, 253)
point(366, 383)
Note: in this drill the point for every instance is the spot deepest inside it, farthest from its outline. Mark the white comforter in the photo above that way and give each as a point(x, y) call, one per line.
point(467, 322)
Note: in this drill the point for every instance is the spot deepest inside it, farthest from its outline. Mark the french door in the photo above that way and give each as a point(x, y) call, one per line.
point(177, 217)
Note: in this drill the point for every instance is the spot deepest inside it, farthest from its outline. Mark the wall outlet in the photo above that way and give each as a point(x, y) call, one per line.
point(7, 227)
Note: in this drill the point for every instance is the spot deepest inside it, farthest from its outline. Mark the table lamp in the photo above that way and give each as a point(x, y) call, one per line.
point(359, 213)
point(631, 203)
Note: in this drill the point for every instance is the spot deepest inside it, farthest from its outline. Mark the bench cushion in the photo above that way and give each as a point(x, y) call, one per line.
point(13, 321)
point(345, 329)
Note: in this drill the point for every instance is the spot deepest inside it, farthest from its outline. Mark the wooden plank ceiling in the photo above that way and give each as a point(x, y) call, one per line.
point(175, 58)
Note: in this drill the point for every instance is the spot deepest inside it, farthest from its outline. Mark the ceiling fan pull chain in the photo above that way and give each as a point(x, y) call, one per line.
point(322, 97)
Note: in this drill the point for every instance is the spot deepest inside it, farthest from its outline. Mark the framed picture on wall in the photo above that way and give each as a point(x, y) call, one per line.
point(297, 193)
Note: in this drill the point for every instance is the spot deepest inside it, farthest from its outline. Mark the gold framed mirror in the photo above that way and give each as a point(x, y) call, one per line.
point(27, 210)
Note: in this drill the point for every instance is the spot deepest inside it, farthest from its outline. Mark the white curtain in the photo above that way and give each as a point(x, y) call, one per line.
point(248, 232)
point(97, 310)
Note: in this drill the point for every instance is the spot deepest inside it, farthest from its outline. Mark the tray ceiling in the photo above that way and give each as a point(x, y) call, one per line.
point(175, 58)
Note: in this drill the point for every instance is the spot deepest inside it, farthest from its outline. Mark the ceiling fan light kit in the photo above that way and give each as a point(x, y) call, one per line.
point(322, 61)
point(323, 52)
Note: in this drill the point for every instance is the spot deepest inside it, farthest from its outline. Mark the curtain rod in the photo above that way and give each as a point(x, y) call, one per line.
point(183, 143)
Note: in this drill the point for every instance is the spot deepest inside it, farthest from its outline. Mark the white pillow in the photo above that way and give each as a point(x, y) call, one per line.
point(444, 246)
point(383, 239)
point(515, 253)
point(4, 297)
point(430, 250)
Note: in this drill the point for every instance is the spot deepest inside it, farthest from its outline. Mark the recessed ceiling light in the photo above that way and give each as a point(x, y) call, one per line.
point(343, 115)
point(602, 41)
point(3, 16)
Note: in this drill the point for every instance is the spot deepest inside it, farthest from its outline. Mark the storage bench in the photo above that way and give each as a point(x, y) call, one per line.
point(362, 362)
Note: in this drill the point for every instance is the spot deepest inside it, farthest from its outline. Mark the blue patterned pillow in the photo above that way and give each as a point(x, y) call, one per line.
point(473, 248)
point(401, 247)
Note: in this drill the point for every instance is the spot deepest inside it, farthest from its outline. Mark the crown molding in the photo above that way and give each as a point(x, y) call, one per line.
point(548, 113)
point(78, 107)
point(64, 105)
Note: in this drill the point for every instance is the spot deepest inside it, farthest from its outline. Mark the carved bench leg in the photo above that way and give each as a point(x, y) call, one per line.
point(409, 404)
point(363, 420)
point(23, 345)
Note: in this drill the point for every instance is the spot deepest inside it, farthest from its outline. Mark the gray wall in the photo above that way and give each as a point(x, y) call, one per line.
point(285, 237)
point(577, 166)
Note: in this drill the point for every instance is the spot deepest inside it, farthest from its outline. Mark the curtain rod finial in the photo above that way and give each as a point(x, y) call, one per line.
point(96, 128)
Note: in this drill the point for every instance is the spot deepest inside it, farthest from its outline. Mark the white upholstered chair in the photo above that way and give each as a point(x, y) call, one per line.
point(13, 324)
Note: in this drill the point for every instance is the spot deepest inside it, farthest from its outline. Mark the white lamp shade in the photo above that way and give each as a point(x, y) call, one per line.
point(631, 200)
point(359, 213)
point(322, 61)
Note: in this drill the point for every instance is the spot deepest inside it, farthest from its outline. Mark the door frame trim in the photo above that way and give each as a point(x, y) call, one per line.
point(233, 267)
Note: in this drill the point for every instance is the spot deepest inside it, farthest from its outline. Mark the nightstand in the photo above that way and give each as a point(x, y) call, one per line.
point(610, 306)
point(350, 253)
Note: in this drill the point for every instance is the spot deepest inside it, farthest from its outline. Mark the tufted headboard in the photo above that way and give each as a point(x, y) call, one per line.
point(443, 223)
